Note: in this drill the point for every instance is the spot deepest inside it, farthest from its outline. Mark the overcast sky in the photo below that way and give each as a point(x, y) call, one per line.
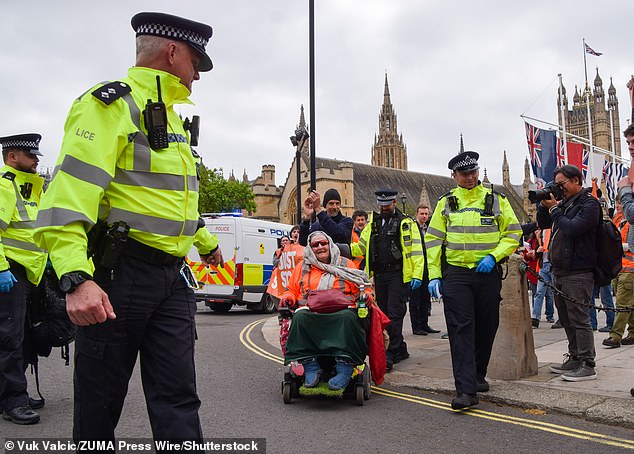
point(453, 67)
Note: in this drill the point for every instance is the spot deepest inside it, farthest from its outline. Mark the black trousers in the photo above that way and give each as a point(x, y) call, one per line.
point(391, 296)
point(472, 312)
point(12, 319)
point(419, 307)
point(155, 319)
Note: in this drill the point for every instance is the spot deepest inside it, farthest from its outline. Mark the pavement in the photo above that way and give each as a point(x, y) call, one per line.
point(606, 400)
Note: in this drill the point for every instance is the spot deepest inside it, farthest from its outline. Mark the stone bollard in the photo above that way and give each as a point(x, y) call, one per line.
point(513, 355)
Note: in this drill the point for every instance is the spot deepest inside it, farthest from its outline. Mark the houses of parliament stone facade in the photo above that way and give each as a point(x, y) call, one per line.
point(605, 118)
point(356, 182)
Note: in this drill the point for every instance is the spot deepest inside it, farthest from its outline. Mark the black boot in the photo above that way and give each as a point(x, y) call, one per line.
point(22, 415)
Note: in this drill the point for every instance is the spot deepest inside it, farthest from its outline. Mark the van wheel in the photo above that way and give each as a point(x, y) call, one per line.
point(269, 304)
point(221, 307)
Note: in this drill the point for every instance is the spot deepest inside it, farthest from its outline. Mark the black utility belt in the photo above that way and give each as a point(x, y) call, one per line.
point(145, 253)
point(387, 267)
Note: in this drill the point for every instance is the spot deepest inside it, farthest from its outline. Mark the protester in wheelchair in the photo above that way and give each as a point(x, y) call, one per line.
point(326, 323)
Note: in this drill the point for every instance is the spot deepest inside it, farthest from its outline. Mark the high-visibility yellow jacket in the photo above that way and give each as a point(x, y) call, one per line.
point(411, 247)
point(467, 233)
point(106, 170)
point(20, 194)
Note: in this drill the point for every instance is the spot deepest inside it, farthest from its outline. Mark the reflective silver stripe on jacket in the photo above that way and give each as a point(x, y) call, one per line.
point(472, 246)
point(58, 217)
point(153, 224)
point(18, 225)
point(155, 180)
point(12, 242)
point(142, 151)
point(472, 228)
point(433, 243)
point(85, 172)
point(18, 203)
point(436, 232)
point(3, 225)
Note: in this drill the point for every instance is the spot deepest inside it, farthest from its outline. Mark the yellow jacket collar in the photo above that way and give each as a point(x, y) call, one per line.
point(472, 194)
point(172, 91)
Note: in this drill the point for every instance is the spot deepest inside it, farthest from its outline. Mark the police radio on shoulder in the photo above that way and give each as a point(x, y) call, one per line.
point(70, 281)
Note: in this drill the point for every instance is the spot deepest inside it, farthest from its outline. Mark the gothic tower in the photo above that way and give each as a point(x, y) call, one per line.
point(605, 121)
point(388, 149)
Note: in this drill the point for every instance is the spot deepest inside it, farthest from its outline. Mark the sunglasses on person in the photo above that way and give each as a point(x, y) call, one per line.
point(319, 243)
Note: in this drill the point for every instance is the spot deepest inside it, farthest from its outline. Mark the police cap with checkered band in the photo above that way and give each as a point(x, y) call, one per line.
point(464, 162)
point(27, 142)
point(195, 34)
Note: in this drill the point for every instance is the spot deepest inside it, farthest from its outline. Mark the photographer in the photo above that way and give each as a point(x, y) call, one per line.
point(574, 214)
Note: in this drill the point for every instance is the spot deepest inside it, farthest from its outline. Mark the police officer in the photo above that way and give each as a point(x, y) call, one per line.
point(124, 180)
point(392, 247)
point(472, 229)
point(22, 264)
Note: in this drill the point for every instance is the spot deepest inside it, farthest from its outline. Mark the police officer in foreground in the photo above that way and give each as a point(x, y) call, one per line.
point(472, 229)
point(22, 264)
point(126, 192)
point(392, 247)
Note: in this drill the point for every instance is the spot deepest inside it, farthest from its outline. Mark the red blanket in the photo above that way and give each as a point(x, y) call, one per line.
point(376, 348)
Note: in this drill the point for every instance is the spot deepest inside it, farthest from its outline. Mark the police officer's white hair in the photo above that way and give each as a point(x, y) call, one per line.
point(148, 47)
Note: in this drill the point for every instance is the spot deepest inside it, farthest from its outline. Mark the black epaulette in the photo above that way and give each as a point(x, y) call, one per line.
point(446, 194)
point(109, 93)
point(9, 175)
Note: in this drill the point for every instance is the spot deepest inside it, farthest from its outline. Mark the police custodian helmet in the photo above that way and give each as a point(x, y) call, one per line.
point(195, 34)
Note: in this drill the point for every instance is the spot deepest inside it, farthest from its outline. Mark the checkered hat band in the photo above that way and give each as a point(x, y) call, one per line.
point(28, 144)
point(465, 162)
point(172, 32)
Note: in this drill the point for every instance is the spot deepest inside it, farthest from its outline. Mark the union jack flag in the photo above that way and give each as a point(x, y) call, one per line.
point(542, 149)
point(591, 51)
point(578, 155)
point(612, 173)
point(534, 145)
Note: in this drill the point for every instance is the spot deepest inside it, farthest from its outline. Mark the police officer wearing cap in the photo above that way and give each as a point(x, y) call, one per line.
point(22, 264)
point(472, 229)
point(127, 176)
point(392, 247)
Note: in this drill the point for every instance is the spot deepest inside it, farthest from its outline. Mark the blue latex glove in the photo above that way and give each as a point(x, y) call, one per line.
point(415, 283)
point(7, 279)
point(486, 264)
point(434, 288)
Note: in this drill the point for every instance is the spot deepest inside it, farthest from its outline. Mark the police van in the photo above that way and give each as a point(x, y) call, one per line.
point(248, 246)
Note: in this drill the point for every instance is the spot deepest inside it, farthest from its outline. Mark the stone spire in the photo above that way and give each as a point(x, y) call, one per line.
point(461, 145)
point(486, 177)
point(388, 149)
point(506, 179)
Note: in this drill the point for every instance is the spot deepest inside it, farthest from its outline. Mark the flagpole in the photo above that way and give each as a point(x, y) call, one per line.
point(585, 68)
point(613, 176)
point(563, 117)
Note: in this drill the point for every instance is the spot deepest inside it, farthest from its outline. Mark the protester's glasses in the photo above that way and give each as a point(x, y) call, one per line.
point(319, 243)
point(561, 183)
point(189, 277)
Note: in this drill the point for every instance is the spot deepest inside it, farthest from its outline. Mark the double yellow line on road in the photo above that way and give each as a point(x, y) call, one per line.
point(247, 341)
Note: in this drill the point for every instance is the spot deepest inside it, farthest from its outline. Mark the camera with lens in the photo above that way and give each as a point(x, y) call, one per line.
point(543, 194)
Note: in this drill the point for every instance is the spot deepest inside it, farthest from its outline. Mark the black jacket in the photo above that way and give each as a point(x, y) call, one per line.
point(574, 224)
point(339, 228)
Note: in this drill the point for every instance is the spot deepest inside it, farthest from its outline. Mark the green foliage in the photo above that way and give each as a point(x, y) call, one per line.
point(217, 194)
